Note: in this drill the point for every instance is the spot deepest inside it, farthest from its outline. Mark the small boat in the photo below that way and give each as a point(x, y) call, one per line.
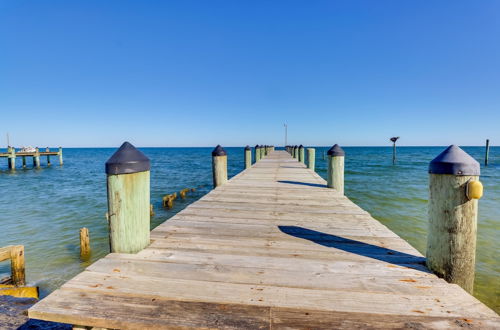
point(27, 149)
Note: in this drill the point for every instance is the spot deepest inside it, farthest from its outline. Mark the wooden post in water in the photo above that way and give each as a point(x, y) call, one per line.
point(36, 158)
point(335, 178)
point(454, 189)
point(12, 158)
point(257, 153)
point(48, 157)
point(128, 176)
point(24, 161)
point(17, 265)
point(84, 243)
point(248, 157)
point(311, 156)
point(394, 139)
point(60, 156)
point(301, 154)
point(219, 166)
point(486, 156)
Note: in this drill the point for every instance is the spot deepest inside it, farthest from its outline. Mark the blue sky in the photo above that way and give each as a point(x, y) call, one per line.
point(199, 73)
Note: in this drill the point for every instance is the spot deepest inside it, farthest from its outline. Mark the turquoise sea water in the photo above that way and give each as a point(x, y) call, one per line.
point(44, 209)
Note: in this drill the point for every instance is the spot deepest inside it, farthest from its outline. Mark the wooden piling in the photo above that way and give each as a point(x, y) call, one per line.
point(12, 158)
point(394, 139)
point(128, 180)
point(262, 152)
point(48, 156)
point(257, 153)
point(24, 161)
point(219, 166)
point(311, 157)
point(60, 156)
point(36, 158)
point(335, 178)
point(17, 265)
point(451, 240)
point(296, 152)
point(486, 156)
point(84, 243)
point(301, 154)
point(248, 157)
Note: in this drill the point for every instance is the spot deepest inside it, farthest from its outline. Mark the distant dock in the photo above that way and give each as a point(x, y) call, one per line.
point(11, 156)
point(275, 247)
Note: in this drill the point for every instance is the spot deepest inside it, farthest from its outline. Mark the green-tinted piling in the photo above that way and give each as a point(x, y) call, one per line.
point(24, 161)
point(48, 157)
point(301, 154)
point(219, 166)
point(335, 176)
point(257, 153)
point(454, 189)
point(311, 158)
point(248, 157)
point(128, 180)
point(36, 158)
point(12, 158)
point(487, 153)
point(60, 156)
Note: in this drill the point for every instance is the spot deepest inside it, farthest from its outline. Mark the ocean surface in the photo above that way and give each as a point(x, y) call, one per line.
point(43, 209)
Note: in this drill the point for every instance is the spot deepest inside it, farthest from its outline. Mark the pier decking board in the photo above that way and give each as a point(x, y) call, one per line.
point(272, 248)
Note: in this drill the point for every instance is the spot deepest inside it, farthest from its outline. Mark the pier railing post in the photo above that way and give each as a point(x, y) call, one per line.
point(296, 152)
point(311, 157)
point(248, 157)
point(219, 166)
point(262, 152)
point(128, 180)
point(454, 190)
point(36, 158)
point(335, 178)
point(257, 153)
point(301, 154)
point(60, 156)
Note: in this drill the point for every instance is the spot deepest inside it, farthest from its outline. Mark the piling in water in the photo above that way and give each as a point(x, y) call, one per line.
point(60, 156)
point(36, 158)
point(487, 153)
point(84, 243)
point(128, 180)
point(454, 189)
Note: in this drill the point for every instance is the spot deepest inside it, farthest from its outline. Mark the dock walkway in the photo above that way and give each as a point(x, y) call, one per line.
point(272, 248)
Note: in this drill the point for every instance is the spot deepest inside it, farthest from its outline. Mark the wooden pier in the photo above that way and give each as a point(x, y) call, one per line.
point(271, 248)
point(11, 156)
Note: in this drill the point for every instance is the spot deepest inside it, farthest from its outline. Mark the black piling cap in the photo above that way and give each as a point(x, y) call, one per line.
point(336, 151)
point(301, 146)
point(454, 161)
point(257, 146)
point(248, 148)
point(127, 159)
point(219, 151)
point(295, 147)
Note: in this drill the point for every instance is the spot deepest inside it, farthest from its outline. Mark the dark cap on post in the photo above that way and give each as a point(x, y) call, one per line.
point(126, 160)
point(301, 146)
point(248, 148)
point(336, 151)
point(454, 161)
point(219, 151)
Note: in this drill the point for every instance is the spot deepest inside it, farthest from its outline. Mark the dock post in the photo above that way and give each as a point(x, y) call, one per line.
point(48, 157)
point(128, 181)
point(296, 152)
point(393, 140)
point(454, 190)
point(487, 152)
point(311, 156)
point(301, 154)
point(60, 156)
point(336, 157)
point(219, 166)
point(36, 158)
point(262, 152)
point(12, 158)
point(248, 157)
point(257, 153)
point(17, 265)
point(24, 161)
point(84, 243)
